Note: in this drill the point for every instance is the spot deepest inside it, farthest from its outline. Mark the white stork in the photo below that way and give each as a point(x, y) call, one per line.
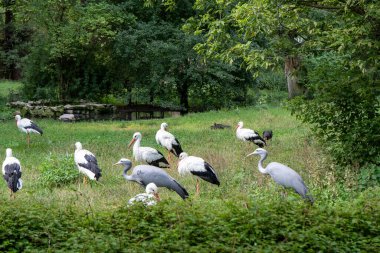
point(198, 167)
point(150, 198)
point(148, 155)
point(12, 172)
point(246, 134)
point(168, 141)
point(27, 126)
point(86, 163)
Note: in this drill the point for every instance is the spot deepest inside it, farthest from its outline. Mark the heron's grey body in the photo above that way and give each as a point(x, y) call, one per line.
point(282, 175)
point(145, 174)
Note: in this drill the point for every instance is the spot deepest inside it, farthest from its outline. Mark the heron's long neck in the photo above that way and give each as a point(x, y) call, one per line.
point(127, 177)
point(261, 168)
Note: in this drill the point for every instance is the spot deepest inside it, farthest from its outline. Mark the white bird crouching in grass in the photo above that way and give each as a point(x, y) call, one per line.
point(149, 198)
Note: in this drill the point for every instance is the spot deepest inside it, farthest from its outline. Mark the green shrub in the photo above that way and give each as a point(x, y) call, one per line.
point(369, 175)
point(197, 226)
point(58, 170)
point(344, 110)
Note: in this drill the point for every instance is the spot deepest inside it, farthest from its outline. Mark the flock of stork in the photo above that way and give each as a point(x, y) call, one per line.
point(151, 175)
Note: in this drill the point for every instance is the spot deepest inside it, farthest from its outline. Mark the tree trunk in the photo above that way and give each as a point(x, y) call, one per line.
point(183, 91)
point(292, 65)
point(11, 71)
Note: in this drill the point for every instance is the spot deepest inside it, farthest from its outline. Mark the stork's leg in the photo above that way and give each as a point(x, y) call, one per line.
point(197, 187)
point(28, 139)
point(10, 193)
point(170, 158)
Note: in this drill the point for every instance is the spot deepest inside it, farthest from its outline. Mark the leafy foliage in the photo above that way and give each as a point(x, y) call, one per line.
point(338, 42)
point(57, 171)
point(343, 111)
point(197, 226)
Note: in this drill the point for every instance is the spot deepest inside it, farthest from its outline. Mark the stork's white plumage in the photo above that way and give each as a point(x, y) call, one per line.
point(246, 134)
point(198, 167)
point(86, 163)
point(149, 198)
point(27, 126)
point(168, 141)
point(147, 155)
point(11, 170)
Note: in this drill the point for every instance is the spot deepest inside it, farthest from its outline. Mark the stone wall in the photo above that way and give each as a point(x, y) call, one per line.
point(82, 111)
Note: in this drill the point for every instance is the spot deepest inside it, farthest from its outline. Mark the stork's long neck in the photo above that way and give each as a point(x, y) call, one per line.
point(136, 147)
point(261, 168)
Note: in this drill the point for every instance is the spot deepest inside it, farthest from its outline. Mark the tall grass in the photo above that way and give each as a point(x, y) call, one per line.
point(230, 213)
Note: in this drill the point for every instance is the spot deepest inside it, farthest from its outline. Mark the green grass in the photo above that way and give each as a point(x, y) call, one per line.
point(231, 212)
point(6, 85)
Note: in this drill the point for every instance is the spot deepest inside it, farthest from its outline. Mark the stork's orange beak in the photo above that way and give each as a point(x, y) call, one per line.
point(132, 141)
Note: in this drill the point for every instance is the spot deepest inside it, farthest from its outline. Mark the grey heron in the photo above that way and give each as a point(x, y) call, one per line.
point(282, 175)
point(246, 134)
point(145, 174)
point(148, 155)
point(198, 167)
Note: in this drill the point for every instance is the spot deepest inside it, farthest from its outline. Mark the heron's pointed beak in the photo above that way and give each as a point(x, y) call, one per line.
point(156, 196)
point(132, 141)
point(116, 163)
point(253, 153)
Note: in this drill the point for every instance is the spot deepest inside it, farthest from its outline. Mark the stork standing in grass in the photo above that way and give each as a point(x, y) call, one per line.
point(27, 126)
point(168, 141)
point(149, 198)
point(145, 174)
point(12, 172)
point(198, 167)
point(148, 155)
point(86, 163)
point(246, 134)
point(282, 175)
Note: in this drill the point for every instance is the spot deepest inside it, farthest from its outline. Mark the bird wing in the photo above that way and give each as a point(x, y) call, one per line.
point(87, 160)
point(150, 154)
point(191, 164)
point(151, 174)
point(286, 177)
point(12, 173)
point(33, 127)
point(247, 133)
point(208, 174)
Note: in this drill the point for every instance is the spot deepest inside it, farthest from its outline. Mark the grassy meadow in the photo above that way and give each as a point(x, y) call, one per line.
point(247, 212)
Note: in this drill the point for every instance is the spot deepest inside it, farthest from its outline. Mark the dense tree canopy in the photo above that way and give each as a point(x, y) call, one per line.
point(118, 50)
